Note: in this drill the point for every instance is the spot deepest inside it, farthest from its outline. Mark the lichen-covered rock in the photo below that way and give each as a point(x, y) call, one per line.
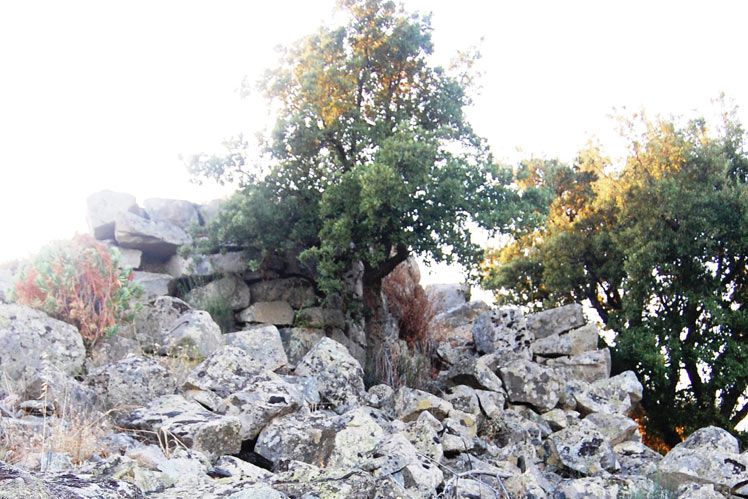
point(616, 395)
point(66, 394)
point(556, 320)
point(102, 210)
point(268, 312)
point(227, 370)
point(299, 479)
point(476, 373)
point(267, 396)
point(157, 239)
point(574, 342)
point(297, 341)
point(233, 262)
point(16, 483)
point(458, 322)
point(229, 290)
point(174, 211)
point(531, 383)
point(615, 427)
point(110, 349)
point(154, 284)
point(424, 435)
point(194, 335)
point(584, 488)
point(581, 448)
point(636, 458)
point(358, 436)
point(398, 457)
point(588, 366)
point(503, 331)
point(262, 344)
point(154, 319)
point(338, 374)
point(708, 456)
point(698, 491)
point(194, 426)
point(446, 297)
point(239, 469)
point(460, 428)
point(491, 403)
point(463, 398)
point(381, 397)
point(527, 484)
point(302, 436)
point(409, 403)
point(28, 338)
point(295, 291)
point(319, 317)
point(131, 381)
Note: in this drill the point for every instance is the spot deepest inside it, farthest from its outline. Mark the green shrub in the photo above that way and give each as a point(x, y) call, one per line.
point(78, 282)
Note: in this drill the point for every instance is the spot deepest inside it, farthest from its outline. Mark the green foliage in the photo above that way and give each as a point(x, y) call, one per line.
point(79, 282)
point(371, 158)
point(659, 248)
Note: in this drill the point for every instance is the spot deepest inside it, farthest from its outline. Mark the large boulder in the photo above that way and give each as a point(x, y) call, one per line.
point(457, 323)
point(339, 375)
point(16, 483)
point(502, 331)
point(155, 318)
point(174, 211)
point(445, 297)
point(576, 341)
point(131, 381)
point(225, 371)
point(194, 334)
point(297, 341)
point(582, 448)
point(174, 416)
point(154, 284)
point(268, 312)
point(102, 210)
point(29, 338)
point(230, 291)
point(708, 456)
point(295, 291)
point(588, 366)
point(616, 395)
point(530, 383)
point(556, 320)
point(262, 344)
point(156, 239)
point(302, 436)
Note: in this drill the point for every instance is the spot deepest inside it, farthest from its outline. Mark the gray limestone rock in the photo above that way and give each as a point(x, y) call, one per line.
point(588, 366)
point(458, 322)
point(295, 291)
point(409, 403)
point(556, 320)
point(463, 398)
point(17, 483)
point(491, 403)
point(531, 383)
point(297, 341)
point(102, 210)
point(67, 395)
point(581, 448)
point(636, 458)
point(320, 318)
point(356, 439)
point(174, 211)
point(156, 239)
point(268, 312)
point(154, 284)
point(574, 342)
point(339, 375)
point(615, 427)
point(193, 334)
point(131, 381)
point(418, 475)
point(194, 426)
point(229, 290)
point(29, 338)
point(155, 318)
point(616, 395)
point(267, 396)
point(225, 371)
point(708, 456)
point(446, 297)
point(262, 344)
point(503, 331)
point(584, 488)
point(233, 262)
point(302, 436)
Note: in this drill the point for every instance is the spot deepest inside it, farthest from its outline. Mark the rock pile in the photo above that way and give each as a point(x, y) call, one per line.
point(524, 405)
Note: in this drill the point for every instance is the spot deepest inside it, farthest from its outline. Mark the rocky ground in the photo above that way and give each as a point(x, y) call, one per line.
point(523, 406)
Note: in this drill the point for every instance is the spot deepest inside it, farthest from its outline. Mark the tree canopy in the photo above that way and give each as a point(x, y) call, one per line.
point(371, 158)
point(659, 247)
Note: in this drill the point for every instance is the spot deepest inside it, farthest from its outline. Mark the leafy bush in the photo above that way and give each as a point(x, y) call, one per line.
point(78, 281)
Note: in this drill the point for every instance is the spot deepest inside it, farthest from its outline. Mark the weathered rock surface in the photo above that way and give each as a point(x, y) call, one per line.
point(588, 366)
point(131, 381)
point(318, 317)
point(502, 331)
point(155, 319)
point(528, 382)
point(102, 210)
point(574, 342)
point(446, 297)
point(295, 291)
point(556, 320)
point(174, 211)
point(409, 403)
point(28, 338)
point(581, 448)
point(268, 312)
point(193, 334)
point(302, 436)
point(262, 344)
point(154, 284)
point(616, 395)
point(297, 341)
point(229, 290)
point(16, 483)
point(159, 239)
point(194, 426)
point(233, 262)
point(339, 375)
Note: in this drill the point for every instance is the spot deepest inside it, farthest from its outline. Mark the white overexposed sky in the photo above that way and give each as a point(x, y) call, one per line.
point(106, 95)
